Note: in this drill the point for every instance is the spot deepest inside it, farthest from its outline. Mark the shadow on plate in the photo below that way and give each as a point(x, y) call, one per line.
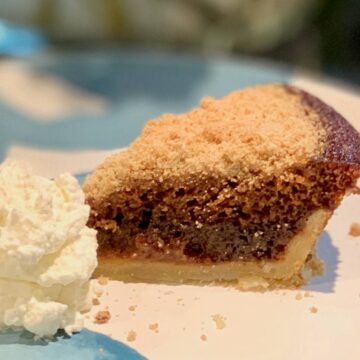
point(328, 253)
point(84, 345)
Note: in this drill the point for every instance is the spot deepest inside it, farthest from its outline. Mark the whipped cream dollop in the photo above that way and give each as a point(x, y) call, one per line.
point(47, 253)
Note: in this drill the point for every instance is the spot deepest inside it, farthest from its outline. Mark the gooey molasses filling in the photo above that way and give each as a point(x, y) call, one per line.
point(220, 222)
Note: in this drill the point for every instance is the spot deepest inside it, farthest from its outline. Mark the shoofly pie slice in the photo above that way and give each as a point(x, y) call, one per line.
point(236, 191)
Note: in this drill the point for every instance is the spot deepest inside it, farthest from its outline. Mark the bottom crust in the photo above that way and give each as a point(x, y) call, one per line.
point(293, 270)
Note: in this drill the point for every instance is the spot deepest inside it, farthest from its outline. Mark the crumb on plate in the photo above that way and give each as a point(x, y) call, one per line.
point(102, 317)
point(95, 301)
point(131, 336)
point(219, 321)
point(154, 327)
point(103, 280)
point(298, 296)
point(313, 309)
point(203, 337)
point(354, 229)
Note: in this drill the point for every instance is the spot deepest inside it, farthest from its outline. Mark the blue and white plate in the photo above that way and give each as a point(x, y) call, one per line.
point(67, 112)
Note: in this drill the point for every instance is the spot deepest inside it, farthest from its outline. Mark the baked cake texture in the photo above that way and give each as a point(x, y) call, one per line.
point(236, 191)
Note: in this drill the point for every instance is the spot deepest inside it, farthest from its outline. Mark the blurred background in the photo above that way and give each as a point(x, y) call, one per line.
point(320, 35)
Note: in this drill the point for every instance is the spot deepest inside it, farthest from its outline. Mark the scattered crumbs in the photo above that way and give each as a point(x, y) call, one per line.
point(219, 321)
point(298, 296)
point(283, 293)
point(203, 337)
point(170, 292)
point(116, 300)
point(106, 308)
point(154, 327)
point(313, 309)
point(308, 294)
point(183, 329)
point(101, 349)
point(132, 307)
point(354, 229)
point(95, 301)
point(107, 293)
point(196, 298)
point(98, 292)
point(131, 336)
point(87, 316)
point(179, 300)
point(117, 315)
point(103, 280)
point(102, 317)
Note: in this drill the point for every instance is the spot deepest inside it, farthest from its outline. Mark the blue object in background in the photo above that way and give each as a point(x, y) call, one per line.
point(18, 40)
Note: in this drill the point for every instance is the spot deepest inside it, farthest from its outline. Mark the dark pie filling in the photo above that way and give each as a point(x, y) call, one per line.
point(215, 219)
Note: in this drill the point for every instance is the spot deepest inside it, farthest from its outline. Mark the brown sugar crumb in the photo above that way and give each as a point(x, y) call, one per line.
point(131, 336)
point(354, 229)
point(95, 301)
point(203, 337)
point(102, 317)
point(154, 327)
point(132, 307)
point(98, 292)
point(219, 321)
point(169, 292)
point(313, 309)
point(298, 296)
point(308, 294)
point(212, 133)
point(103, 280)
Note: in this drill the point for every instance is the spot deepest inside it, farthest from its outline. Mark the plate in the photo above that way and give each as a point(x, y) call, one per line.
point(85, 105)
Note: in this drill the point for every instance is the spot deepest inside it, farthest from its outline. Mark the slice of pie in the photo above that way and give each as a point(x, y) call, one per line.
point(235, 192)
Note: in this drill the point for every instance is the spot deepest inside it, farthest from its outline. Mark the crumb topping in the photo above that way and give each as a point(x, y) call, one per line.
point(262, 129)
point(313, 309)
